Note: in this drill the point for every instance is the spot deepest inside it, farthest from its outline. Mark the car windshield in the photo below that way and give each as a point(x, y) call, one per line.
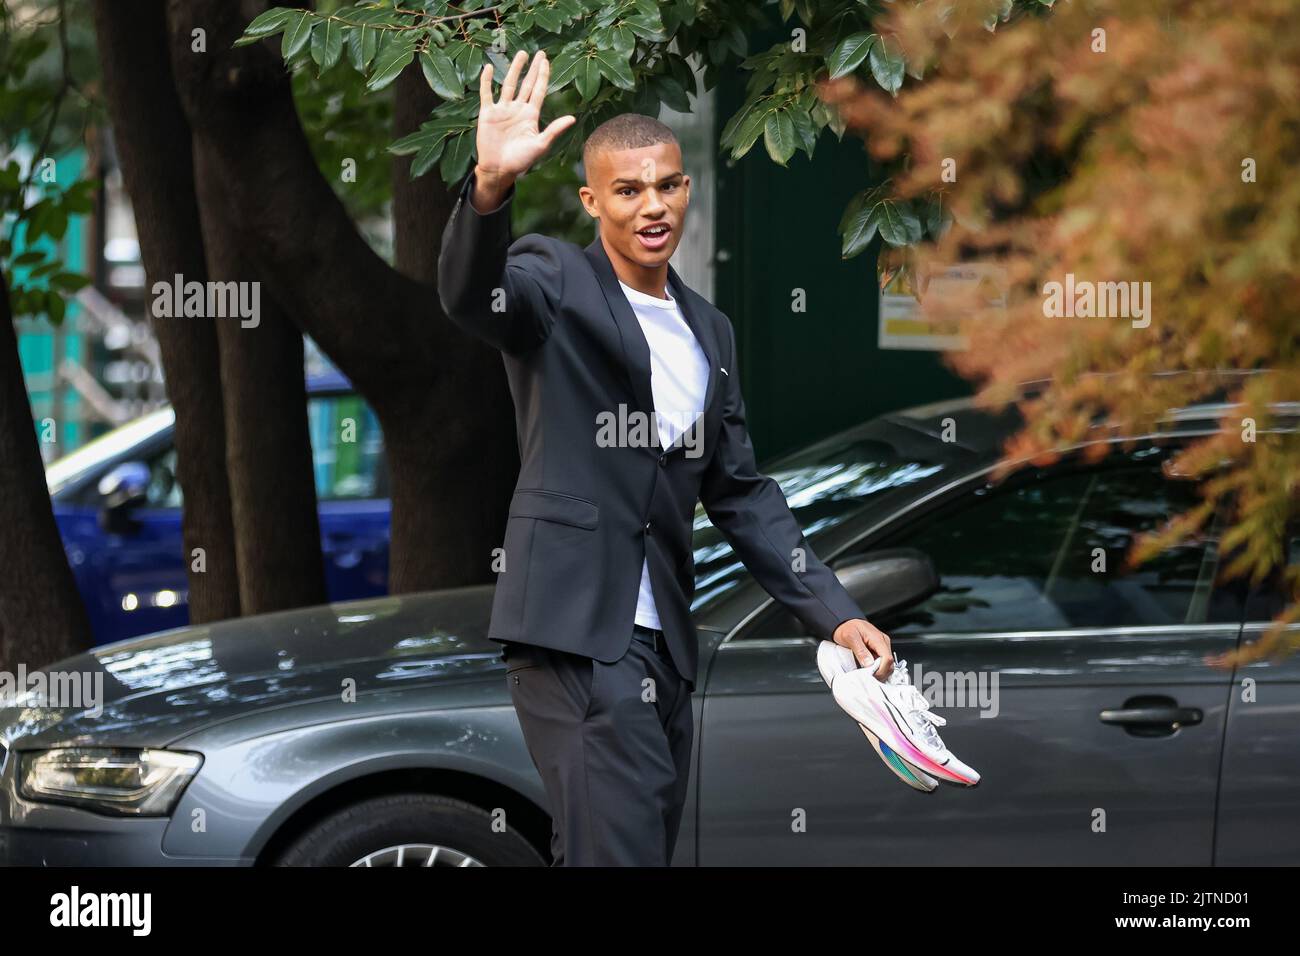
point(825, 485)
point(91, 455)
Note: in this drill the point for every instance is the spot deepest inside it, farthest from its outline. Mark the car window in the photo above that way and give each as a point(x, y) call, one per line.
point(824, 484)
point(1049, 551)
point(91, 457)
point(1270, 597)
point(164, 490)
point(347, 448)
point(347, 456)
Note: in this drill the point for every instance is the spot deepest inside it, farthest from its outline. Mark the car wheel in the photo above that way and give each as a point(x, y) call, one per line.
point(409, 829)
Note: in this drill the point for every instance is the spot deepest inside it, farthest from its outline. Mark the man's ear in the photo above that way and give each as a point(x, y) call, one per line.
point(686, 184)
point(588, 197)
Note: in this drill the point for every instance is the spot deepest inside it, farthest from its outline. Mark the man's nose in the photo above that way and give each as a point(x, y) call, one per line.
point(653, 204)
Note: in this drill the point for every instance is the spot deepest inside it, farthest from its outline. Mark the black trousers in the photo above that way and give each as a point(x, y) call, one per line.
point(612, 743)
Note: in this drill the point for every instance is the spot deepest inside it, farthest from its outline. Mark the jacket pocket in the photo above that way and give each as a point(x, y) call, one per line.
point(554, 506)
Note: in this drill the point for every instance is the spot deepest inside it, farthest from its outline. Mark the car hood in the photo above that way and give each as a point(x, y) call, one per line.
point(148, 690)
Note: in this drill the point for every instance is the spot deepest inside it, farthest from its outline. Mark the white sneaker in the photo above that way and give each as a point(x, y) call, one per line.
point(897, 713)
point(833, 660)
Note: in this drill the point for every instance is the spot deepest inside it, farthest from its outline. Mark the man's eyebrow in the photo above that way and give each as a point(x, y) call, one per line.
point(637, 180)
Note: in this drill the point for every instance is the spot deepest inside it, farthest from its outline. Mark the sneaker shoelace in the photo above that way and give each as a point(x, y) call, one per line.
point(922, 719)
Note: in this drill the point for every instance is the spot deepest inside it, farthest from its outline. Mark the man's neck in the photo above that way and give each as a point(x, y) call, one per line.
point(650, 280)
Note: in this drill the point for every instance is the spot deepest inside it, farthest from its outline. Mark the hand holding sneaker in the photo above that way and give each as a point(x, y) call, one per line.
point(896, 713)
point(867, 642)
point(833, 660)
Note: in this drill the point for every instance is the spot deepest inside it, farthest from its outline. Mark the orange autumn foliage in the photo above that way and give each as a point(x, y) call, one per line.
point(1121, 142)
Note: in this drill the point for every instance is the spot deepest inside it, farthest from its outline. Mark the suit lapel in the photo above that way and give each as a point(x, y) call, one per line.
point(703, 335)
point(636, 350)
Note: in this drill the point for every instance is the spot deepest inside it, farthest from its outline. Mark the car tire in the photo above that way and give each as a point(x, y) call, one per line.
point(408, 827)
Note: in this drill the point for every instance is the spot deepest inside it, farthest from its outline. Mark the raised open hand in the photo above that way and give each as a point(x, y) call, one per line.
point(509, 141)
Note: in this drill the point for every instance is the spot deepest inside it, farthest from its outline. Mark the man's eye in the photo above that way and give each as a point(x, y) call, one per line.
point(669, 186)
point(626, 191)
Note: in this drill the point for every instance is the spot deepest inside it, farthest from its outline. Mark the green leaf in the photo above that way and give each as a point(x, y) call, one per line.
point(887, 65)
point(615, 68)
point(670, 93)
point(587, 79)
point(683, 74)
point(29, 258)
point(297, 32)
point(69, 282)
point(362, 43)
point(469, 61)
point(857, 231)
point(396, 56)
point(735, 37)
point(849, 54)
point(730, 127)
point(860, 222)
point(55, 307)
point(266, 24)
point(414, 142)
point(749, 130)
point(427, 157)
point(440, 73)
point(805, 130)
point(272, 21)
point(455, 161)
point(78, 202)
point(899, 225)
point(327, 44)
point(778, 136)
point(563, 71)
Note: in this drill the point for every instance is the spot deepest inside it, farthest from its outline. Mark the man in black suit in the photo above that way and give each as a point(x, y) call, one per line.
point(628, 412)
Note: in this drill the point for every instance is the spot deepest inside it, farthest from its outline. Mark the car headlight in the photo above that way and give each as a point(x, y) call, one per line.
point(117, 780)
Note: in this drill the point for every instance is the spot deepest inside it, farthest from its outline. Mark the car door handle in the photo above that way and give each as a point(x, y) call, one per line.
point(1152, 716)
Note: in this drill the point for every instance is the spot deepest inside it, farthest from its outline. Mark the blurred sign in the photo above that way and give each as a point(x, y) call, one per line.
point(903, 324)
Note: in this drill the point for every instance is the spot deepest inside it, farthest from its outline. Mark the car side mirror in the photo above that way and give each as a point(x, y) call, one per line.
point(889, 579)
point(879, 582)
point(121, 491)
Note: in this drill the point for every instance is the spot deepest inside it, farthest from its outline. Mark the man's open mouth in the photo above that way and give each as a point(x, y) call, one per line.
point(654, 236)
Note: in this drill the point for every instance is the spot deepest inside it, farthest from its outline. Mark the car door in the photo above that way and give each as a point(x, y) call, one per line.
point(1260, 782)
point(1074, 686)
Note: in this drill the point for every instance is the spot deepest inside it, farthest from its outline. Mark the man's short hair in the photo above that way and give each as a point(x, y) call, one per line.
point(626, 131)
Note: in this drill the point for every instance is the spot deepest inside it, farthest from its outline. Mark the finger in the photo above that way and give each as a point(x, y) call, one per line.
point(512, 76)
point(530, 78)
point(860, 650)
point(886, 666)
point(485, 86)
point(538, 92)
point(555, 127)
point(880, 646)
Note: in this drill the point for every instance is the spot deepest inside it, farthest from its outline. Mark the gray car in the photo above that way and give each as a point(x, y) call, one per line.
point(380, 732)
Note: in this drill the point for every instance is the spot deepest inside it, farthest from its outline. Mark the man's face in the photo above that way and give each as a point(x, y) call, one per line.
point(640, 197)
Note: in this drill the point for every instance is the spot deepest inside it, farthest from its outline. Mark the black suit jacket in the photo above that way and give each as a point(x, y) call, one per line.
point(585, 512)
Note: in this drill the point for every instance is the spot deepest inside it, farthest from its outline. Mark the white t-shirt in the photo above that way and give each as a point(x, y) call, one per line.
point(679, 378)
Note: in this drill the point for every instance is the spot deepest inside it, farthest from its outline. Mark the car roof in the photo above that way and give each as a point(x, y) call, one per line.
point(983, 431)
point(61, 473)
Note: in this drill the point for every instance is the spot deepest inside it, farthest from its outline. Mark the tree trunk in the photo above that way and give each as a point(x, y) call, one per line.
point(42, 619)
point(441, 396)
point(152, 138)
point(268, 448)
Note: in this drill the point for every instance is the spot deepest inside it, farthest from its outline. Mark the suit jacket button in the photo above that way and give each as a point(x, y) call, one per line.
point(663, 459)
point(647, 527)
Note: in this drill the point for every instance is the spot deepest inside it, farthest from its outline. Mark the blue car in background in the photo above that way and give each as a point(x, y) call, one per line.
point(118, 507)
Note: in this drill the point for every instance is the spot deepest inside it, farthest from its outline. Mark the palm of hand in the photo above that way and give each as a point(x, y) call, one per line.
point(508, 137)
